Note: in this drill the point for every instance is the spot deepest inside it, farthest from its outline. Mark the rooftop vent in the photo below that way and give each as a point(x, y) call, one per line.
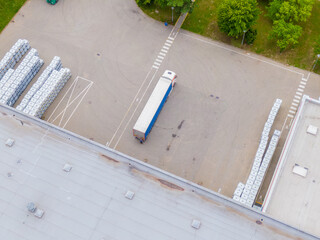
point(195, 224)
point(129, 195)
point(31, 207)
point(9, 142)
point(39, 213)
point(67, 167)
point(301, 171)
point(312, 130)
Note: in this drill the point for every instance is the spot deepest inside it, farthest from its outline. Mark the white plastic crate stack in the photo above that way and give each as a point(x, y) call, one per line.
point(6, 90)
point(21, 77)
point(5, 79)
point(255, 179)
point(237, 193)
point(40, 101)
point(266, 160)
point(54, 65)
point(13, 56)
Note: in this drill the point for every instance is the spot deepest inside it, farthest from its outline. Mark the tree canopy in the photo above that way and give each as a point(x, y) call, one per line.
point(237, 16)
point(290, 10)
point(286, 34)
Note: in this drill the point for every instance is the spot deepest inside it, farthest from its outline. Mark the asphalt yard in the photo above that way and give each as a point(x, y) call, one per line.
point(208, 130)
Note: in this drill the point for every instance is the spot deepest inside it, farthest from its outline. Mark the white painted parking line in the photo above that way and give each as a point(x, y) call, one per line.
point(88, 88)
point(163, 54)
point(162, 50)
point(295, 104)
point(168, 44)
point(301, 86)
point(156, 63)
point(170, 38)
point(293, 112)
point(290, 116)
point(300, 90)
point(297, 97)
point(295, 100)
point(293, 108)
point(299, 93)
point(159, 60)
point(71, 88)
point(155, 67)
point(161, 57)
point(83, 93)
point(165, 47)
point(169, 41)
point(304, 83)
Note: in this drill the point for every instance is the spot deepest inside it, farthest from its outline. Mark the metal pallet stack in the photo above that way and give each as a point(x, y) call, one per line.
point(247, 193)
point(42, 99)
point(19, 80)
point(13, 56)
point(54, 65)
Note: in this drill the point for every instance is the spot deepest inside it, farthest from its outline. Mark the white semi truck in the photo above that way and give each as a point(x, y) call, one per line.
point(154, 105)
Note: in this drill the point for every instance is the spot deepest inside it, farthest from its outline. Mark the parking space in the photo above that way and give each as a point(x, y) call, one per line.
point(208, 130)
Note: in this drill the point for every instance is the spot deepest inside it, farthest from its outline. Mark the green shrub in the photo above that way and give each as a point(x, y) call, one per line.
point(250, 36)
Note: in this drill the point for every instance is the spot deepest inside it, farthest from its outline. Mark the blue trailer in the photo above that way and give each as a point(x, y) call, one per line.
point(154, 105)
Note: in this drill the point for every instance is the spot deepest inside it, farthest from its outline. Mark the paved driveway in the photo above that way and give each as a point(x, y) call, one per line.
point(209, 128)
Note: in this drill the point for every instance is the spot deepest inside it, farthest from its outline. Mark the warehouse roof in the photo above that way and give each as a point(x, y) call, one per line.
point(293, 196)
point(83, 190)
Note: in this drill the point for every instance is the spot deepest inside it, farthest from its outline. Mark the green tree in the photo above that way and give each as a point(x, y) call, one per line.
point(290, 10)
point(236, 16)
point(286, 34)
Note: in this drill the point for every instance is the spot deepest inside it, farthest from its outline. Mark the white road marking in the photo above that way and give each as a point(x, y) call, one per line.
point(163, 54)
point(88, 88)
point(168, 44)
point(159, 60)
point(293, 112)
point(304, 83)
point(295, 100)
point(134, 111)
point(304, 79)
point(295, 104)
point(308, 75)
point(71, 87)
point(291, 116)
point(300, 90)
point(155, 67)
point(161, 57)
point(165, 47)
point(297, 97)
point(156, 63)
point(299, 93)
point(162, 50)
point(169, 41)
point(301, 86)
point(134, 99)
point(293, 108)
point(170, 38)
point(68, 105)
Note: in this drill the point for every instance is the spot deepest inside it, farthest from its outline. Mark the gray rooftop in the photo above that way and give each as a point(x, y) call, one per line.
point(293, 198)
point(89, 201)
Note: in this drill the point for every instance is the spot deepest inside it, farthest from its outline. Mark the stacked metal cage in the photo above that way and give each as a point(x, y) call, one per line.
point(42, 99)
point(21, 77)
point(54, 65)
point(247, 193)
point(13, 56)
